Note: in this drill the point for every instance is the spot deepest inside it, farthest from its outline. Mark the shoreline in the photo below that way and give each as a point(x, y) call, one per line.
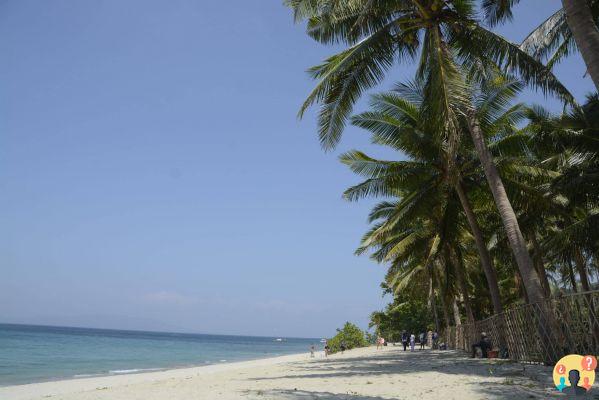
point(141, 371)
point(55, 386)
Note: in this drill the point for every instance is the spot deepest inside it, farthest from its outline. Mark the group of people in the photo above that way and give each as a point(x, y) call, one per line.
point(411, 340)
point(406, 340)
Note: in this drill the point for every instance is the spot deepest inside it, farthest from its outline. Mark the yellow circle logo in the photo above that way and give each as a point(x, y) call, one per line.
point(575, 374)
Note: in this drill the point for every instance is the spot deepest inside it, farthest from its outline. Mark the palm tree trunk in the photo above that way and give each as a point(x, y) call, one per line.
point(585, 33)
point(457, 319)
point(443, 295)
point(520, 286)
point(456, 312)
point(529, 275)
point(572, 277)
point(483, 253)
point(581, 265)
point(461, 276)
point(445, 312)
point(582, 270)
point(540, 265)
point(433, 303)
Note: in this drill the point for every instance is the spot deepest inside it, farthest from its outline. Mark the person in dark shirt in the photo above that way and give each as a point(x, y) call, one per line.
point(484, 344)
point(404, 340)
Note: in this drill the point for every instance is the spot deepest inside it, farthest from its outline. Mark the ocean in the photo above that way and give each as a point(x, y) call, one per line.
point(43, 353)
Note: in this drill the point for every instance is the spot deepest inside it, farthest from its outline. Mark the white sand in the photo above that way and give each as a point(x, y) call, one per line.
point(361, 374)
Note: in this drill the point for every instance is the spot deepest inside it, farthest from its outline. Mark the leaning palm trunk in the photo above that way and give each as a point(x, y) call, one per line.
point(485, 257)
point(571, 276)
point(432, 303)
point(458, 323)
point(457, 320)
point(461, 277)
point(530, 278)
point(445, 311)
point(582, 270)
point(581, 266)
point(585, 33)
point(540, 265)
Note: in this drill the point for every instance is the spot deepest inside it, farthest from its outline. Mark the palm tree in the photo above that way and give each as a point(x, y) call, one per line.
point(400, 120)
point(380, 33)
point(581, 18)
point(552, 39)
point(570, 144)
point(584, 30)
point(413, 250)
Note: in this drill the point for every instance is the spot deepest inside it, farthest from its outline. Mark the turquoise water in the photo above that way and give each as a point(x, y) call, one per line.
point(41, 353)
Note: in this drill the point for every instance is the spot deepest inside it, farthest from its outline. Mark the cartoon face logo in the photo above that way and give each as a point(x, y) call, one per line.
point(575, 374)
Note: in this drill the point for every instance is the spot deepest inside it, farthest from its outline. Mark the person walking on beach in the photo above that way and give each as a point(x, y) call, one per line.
point(422, 340)
point(378, 343)
point(312, 351)
point(327, 349)
point(342, 346)
point(412, 342)
point(404, 340)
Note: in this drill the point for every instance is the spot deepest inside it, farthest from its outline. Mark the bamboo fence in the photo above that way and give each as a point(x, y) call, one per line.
point(537, 333)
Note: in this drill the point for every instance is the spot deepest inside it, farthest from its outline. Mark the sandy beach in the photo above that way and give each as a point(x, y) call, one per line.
point(360, 374)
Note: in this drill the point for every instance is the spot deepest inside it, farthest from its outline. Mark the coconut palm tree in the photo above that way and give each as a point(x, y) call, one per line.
point(400, 120)
point(378, 34)
point(570, 144)
point(552, 40)
point(417, 263)
point(581, 19)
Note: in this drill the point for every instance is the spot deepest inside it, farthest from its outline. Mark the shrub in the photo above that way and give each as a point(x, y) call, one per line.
point(351, 335)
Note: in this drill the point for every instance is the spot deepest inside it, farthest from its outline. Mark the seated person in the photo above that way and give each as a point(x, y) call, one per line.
point(484, 344)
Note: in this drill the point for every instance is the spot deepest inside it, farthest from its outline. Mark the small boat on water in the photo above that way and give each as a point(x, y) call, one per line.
point(278, 340)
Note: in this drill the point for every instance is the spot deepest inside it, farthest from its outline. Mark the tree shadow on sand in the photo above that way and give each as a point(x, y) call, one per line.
point(396, 363)
point(495, 379)
point(307, 395)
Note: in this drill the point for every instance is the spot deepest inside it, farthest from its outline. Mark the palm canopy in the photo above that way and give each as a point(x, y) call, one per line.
point(552, 40)
point(424, 214)
point(401, 120)
point(378, 34)
point(569, 144)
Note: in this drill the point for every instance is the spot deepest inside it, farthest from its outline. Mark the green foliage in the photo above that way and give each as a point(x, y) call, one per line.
point(351, 335)
point(377, 35)
point(371, 337)
point(549, 167)
point(411, 315)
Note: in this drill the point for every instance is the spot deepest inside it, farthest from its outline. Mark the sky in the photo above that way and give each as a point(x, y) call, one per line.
point(154, 174)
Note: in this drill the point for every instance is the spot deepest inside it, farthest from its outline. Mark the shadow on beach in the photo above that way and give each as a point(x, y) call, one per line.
point(492, 379)
point(310, 395)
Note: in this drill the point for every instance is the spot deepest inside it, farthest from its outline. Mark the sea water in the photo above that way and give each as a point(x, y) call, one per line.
point(42, 353)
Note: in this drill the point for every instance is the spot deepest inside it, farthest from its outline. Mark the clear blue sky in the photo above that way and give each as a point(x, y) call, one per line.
point(153, 174)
